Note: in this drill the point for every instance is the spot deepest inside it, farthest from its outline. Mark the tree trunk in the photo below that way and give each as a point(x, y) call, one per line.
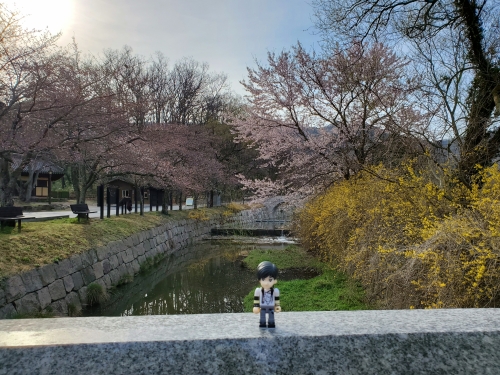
point(164, 204)
point(6, 194)
point(75, 180)
point(26, 188)
point(479, 148)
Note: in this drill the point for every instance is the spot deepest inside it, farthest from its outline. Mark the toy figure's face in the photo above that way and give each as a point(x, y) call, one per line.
point(268, 282)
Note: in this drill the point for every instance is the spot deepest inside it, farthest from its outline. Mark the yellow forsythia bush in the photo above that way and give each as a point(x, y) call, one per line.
point(413, 239)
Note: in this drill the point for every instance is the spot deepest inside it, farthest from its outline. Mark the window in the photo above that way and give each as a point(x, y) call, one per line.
point(125, 194)
point(145, 195)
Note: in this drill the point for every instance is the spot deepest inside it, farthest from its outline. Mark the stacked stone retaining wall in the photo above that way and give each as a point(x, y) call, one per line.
point(62, 286)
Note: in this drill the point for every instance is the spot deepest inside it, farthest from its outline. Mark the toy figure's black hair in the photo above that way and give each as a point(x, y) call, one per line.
point(265, 269)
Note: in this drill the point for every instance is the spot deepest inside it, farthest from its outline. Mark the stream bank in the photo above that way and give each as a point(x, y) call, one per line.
point(60, 288)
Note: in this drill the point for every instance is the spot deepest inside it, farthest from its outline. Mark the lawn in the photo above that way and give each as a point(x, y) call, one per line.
point(45, 242)
point(331, 290)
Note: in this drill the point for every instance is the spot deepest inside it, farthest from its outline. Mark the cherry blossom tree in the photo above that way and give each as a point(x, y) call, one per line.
point(318, 118)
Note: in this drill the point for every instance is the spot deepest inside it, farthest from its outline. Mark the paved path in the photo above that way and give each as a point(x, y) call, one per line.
point(49, 215)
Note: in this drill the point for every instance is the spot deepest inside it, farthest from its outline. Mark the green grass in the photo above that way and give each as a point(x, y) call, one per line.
point(96, 294)
point(329, 291)
point(45, 242)
point(290, 257)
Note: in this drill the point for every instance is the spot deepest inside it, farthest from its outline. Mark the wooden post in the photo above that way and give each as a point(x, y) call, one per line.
point(150, 199)
point(100, 200)
point(142, 201)
point(50, 187)
point(108, 201)
point(180, 201)
point(117, 201)
point(158, 196)
point(136, 196)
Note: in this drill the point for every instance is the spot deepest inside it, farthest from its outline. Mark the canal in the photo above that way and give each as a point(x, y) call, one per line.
point(208, 277)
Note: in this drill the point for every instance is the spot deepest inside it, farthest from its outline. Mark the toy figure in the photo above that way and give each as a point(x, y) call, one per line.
point(267, 299)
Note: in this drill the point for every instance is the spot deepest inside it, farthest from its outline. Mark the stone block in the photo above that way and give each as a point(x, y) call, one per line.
point(128, 242)
point(135, 266)
point(135, 239)
point(68, 283)
point(77, 280)
point(3, 300)
point(57, 290)
point(122, 270)
point(63, 268)
point(7, 311)
point(101, 282)
point(141, 259)
point(130, 269)
point(74, 305)
point(28, 304)
point(140, 249)
point(102, 252)
point(82, 294)
point(107, 281)
point(121, 256)
point(93, 255)
point(147, 246)
point(59, 308)
point(106, 266)
point(31, 280)
point(47, 274)
point(135, 252)
point(128, 257)
point(98, 270)
point(88, 275)
point(76, 263)
point(113, 260)
point(44, 297)
point(114, 276)
point(14, 288)
point(86, 260)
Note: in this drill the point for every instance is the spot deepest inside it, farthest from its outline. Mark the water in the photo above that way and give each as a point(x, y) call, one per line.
point(208, 277)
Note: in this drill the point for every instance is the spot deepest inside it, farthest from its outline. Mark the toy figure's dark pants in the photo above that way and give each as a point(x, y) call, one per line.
point(263, 312)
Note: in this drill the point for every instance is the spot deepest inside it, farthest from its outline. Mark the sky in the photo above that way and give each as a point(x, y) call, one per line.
point(227, 34)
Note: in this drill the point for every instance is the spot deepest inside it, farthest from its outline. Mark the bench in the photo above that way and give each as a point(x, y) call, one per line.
point(82, 210)
point(12, 214)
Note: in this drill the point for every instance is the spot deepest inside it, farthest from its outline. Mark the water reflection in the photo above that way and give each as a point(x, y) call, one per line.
point(215, 285)
point(206, 278)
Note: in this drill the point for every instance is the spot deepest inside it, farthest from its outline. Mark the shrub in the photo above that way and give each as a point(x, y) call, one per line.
point(413, 238)
point(96, 294)
point(237, 207)
point(199, 215)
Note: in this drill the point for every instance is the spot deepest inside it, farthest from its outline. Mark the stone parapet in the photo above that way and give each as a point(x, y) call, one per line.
point(55, 286)
point(455, 341)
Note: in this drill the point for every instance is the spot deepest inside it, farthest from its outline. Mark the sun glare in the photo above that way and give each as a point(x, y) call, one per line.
point(54, 15)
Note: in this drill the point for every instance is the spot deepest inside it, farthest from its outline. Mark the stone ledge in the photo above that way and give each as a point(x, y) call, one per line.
point(455, 341)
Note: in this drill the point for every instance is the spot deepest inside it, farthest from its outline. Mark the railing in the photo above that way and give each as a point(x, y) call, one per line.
point(458, 341)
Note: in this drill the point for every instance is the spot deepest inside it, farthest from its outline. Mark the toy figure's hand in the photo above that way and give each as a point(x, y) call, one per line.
point(277, 309)
point(256, 310)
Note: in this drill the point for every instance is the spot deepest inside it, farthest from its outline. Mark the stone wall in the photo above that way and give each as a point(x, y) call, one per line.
point(455, 342)
point(56, 286)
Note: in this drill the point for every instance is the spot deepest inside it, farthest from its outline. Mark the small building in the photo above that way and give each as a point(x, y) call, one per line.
point(41, 173)
point(126, 189)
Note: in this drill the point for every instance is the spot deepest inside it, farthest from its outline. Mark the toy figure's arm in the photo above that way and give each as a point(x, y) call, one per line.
point(277, 305)
point(256, 302)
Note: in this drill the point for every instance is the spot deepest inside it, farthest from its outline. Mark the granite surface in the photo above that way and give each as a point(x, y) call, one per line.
point(455, 341)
